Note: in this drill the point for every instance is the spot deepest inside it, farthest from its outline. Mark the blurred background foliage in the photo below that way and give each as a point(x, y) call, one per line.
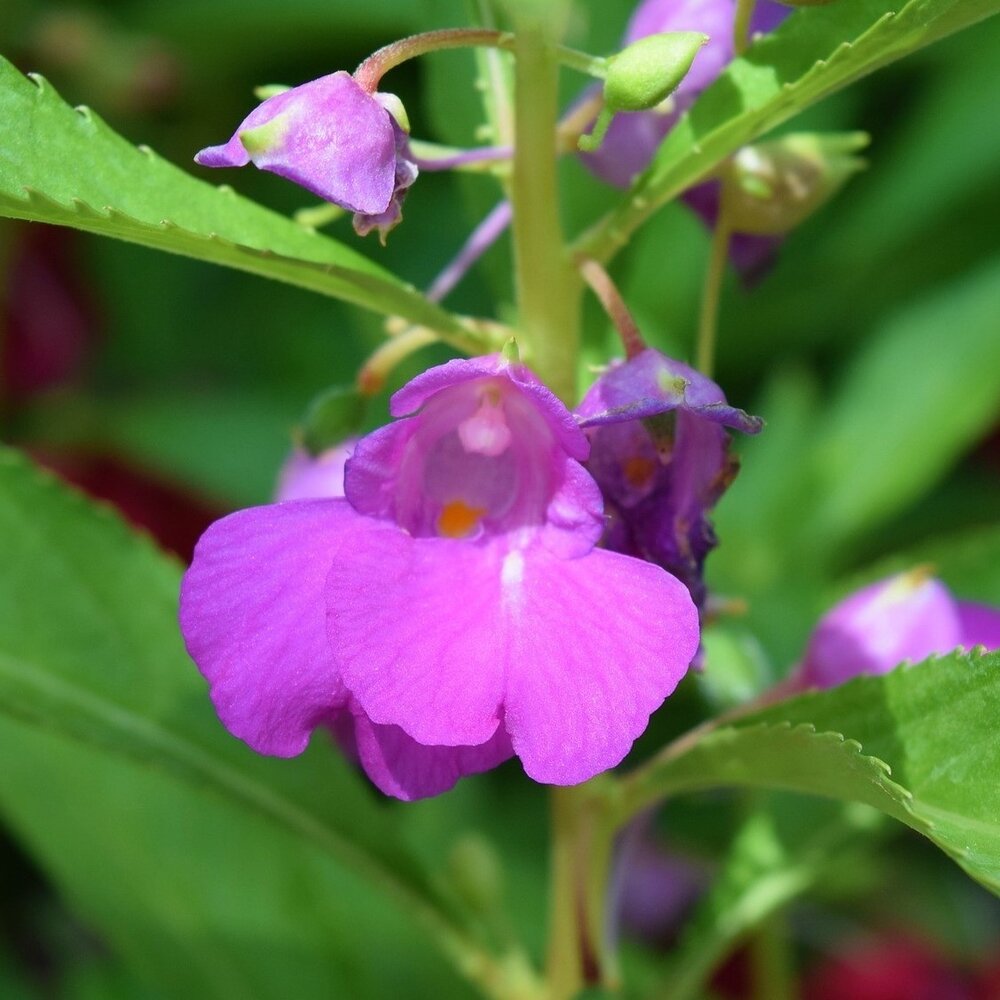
point(171, 389)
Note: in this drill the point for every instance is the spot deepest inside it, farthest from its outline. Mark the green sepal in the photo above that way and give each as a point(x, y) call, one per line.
point(264, 138)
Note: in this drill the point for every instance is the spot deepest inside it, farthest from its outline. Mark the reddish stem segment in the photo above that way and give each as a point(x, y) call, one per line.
point(614, 305)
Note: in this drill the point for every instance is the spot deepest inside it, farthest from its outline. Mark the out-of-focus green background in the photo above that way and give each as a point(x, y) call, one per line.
point(873, 349)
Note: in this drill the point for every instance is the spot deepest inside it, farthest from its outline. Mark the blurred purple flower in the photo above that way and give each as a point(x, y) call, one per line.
point(654, 887)
point(333, 138)
point(452, 610)
point(305, 476)
point(660, 453)
point(910, 617)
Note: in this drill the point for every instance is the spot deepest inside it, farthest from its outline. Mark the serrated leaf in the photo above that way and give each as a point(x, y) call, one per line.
point(920, 744)
point(90, 652)
point(812, 55)
point(67, 167)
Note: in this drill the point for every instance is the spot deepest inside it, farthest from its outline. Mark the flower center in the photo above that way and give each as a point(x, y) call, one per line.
point(458, 520)
point(639, 471)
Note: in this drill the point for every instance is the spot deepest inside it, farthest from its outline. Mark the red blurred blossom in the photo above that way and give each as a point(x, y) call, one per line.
point(49, 321)
point(895, 966)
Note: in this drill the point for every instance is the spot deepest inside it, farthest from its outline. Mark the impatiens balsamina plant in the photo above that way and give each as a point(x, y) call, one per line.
point(507, 548)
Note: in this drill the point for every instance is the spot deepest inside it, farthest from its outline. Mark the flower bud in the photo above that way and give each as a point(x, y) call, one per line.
point(774, 186)
point(643, 75)
point(649, 70)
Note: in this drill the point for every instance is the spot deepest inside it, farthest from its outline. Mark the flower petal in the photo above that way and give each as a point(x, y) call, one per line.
point(252, 614)
point(327, 135)
point(436, 636)
point(594, 647)
point(906, 617)
point(980, 625)
point(416, 392)
point(650, 384)
point(399, 766)
point(414, 625)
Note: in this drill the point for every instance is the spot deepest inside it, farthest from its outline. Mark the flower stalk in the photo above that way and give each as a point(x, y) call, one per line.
point(715, 272)
point(370, 72)
point(614, 305)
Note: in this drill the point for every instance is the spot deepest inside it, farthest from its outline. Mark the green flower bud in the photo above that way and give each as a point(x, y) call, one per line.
point(649, 70)
point(644, 75)
point(774, 186)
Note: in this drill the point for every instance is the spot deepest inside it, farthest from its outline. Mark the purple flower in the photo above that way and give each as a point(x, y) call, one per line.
point(906, 617)
point(660, 452)
point(333, 138)
point(305, 476)
point(452, 610)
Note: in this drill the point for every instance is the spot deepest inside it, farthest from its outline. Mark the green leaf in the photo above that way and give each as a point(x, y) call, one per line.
point(771, 862)
point(920, 744)
point(67, 167)
point(912, 403)
point(90, 654)
point(815, 53)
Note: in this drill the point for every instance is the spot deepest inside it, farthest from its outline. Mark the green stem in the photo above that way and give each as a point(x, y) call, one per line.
point(495, 80)
point(370, 72)
point(563, 964)
point(741, 25)
point(583, 835)
point(708, 319)
point(548, 290)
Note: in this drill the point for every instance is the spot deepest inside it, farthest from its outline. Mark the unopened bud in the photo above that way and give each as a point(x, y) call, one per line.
point(644, 75)
point(649, 70)
point(774, 186)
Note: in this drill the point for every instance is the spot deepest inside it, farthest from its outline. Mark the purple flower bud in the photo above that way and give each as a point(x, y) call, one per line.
point(334, 139)
point(909, 617)
point(452, 610)
point(660, 453)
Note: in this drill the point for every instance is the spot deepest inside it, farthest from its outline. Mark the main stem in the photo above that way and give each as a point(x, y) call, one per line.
point(548, 290)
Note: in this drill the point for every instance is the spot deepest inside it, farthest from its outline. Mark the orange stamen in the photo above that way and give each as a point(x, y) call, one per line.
point(639, 471)
point(458, 520)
